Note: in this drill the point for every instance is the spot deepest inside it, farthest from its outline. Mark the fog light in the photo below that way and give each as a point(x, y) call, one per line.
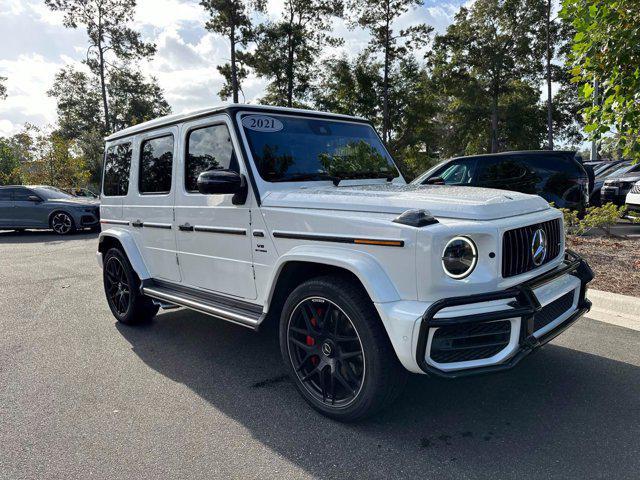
point(460, 257)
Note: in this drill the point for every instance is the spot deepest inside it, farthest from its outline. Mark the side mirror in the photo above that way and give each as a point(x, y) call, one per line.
point(222, 182)
point(34, 198)
point(435, 181)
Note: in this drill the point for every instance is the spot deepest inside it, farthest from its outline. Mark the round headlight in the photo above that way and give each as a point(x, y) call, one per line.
point(460, 257)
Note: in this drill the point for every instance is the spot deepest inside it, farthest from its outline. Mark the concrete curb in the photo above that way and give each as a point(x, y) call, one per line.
point(621, 310)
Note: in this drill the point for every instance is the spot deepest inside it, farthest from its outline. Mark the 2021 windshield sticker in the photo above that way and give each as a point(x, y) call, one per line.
point(262, 123)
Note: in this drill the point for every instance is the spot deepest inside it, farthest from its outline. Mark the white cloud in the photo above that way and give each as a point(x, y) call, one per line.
point(185, 62)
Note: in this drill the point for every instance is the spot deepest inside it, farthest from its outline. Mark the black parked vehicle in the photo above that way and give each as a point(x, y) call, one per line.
point(554, 175)
point(617, 185)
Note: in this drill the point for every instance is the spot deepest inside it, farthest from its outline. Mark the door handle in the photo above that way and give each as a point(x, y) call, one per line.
point(137, 223)
point(185, 227)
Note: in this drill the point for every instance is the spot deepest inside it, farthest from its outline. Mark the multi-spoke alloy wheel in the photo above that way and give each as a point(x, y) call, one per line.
point(117, 285)
point(122, 289)
point(62, 223)
point(326, 351)
point(336, 349)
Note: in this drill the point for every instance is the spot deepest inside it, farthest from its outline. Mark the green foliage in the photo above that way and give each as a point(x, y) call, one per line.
point(572, 223)
point(10, 168)
point(481, 66)
point(113, 44)
point(604, 217)
point(287, 49)
point(3, 88)
point(600, 218)
point(353, 158)
point(393, 44)
point(231, 18)
point(605, 48)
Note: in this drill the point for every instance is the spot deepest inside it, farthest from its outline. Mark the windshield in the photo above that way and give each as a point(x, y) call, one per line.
point(618, 171)
point(51, 193)
point(288, 149)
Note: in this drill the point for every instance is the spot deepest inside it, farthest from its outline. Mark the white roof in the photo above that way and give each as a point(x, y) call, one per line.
point(181, 117)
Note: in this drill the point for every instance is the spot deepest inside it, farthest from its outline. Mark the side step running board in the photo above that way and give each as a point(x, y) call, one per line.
point(235, 311)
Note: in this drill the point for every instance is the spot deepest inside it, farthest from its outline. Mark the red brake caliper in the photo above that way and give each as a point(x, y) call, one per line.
point(311, 341)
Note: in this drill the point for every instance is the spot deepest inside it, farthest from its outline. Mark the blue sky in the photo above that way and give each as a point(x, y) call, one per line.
point(34, 46)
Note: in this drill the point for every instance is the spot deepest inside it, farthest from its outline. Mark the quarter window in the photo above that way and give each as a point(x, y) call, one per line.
point(208, 148)
point(117, 164)
point(156, 160)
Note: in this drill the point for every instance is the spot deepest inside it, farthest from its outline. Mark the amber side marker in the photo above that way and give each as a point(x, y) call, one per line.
point(386, 243)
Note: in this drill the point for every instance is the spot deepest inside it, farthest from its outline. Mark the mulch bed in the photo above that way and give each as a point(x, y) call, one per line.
point(615, 261)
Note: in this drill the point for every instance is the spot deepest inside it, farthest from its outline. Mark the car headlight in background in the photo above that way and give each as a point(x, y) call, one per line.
point(459, 257)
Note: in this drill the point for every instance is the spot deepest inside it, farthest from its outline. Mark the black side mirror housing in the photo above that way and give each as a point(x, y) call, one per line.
point(34, 198)
point(434, 181)
point(223, 182)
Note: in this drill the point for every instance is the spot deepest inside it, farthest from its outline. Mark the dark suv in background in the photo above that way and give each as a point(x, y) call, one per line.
point(557, 176)
point(619, 183)
point(23, 207)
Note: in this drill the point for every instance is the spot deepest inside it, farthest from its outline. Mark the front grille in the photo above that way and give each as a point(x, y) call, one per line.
point(636, 188)
point(552, 311)
point(461, 343)
point(516, 247)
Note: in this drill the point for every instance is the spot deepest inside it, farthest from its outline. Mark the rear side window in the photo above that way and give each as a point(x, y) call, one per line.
point(156, 162)
point(502, 170)
point(117, 164)
point(208, 148)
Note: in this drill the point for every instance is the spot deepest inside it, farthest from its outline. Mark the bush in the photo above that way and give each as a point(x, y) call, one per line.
point(601, 218)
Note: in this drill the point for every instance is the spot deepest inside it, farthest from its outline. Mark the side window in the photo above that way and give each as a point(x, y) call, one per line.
point(458, 172)
point(5, 194)
point(117, 164)
point(501, 170)
point(22, 194)
point(156, 161)
point(208, 148)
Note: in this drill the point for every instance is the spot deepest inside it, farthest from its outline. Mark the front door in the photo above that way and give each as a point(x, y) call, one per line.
point(214, 246)
point(29, 212)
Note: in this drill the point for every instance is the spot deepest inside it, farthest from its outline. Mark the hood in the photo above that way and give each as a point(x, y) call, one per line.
point(626, 177)
point(468, 203)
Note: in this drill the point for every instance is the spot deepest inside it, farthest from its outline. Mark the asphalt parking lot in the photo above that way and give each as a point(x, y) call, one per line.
point(189, 396)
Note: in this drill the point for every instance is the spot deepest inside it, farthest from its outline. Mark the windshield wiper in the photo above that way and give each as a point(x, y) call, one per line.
point(307, 177)
point(364, 175)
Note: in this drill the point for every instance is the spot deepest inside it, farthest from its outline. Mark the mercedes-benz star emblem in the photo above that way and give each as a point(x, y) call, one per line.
point(539, 247)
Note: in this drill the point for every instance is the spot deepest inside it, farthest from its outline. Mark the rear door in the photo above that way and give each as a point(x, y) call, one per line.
point(214, 244)
point(149, 207)
point(6, 207)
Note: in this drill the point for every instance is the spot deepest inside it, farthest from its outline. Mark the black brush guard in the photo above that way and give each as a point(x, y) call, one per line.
point(525, 306)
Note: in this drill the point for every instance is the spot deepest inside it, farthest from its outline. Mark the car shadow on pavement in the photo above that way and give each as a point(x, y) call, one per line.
point(42, 236)
point(561, 413)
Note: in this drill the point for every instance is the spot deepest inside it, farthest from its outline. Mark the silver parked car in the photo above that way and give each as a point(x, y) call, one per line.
point(32, 206)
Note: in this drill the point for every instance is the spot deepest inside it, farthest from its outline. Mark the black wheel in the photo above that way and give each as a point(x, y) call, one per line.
point(62, 223)
point(337, 350)
point(122, 288)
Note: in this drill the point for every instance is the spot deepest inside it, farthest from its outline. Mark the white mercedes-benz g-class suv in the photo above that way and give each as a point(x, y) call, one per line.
point(255, 214)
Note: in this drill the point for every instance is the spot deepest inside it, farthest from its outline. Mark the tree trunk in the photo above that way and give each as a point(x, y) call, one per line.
point(103, 86)
point(549, 95)
point(385, 84)
point(290, 60)
point(494, 122)
point(234, 68)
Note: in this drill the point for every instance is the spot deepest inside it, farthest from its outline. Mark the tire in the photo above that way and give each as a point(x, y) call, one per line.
point(122, 289)
point(339, 383)
point(62, 223)
point(95, 229)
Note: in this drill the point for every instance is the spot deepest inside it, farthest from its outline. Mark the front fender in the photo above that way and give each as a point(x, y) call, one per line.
point(130, 249)
point(364, 266)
